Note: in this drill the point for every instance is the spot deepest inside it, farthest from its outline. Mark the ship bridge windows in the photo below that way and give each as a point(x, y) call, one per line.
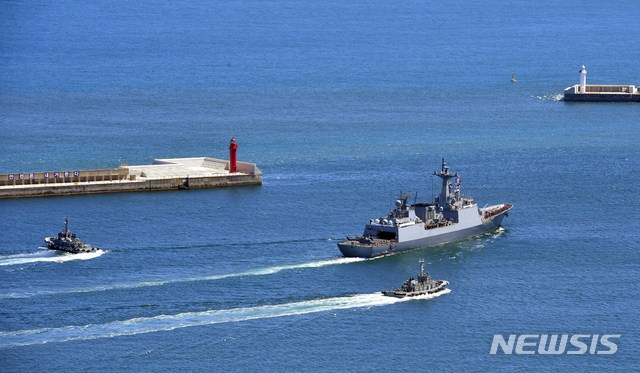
point(399, 214)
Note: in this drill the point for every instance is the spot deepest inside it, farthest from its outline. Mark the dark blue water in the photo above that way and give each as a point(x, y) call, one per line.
point(342, 105)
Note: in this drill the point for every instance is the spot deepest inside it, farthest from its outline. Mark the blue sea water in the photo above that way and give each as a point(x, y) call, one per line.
point(342, 105)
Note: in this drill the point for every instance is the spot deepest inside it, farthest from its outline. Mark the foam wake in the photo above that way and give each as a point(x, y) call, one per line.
point(160, 323)
point(254, 272)
point(550, 97)
point(498, 232)
point(46, 256)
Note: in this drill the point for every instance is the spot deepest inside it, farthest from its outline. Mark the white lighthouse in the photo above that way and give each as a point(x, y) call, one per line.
point(583, 80)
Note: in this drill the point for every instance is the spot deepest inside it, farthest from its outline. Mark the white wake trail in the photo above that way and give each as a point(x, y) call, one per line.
point(47, 257)
point(253, 272)
point(160, 323)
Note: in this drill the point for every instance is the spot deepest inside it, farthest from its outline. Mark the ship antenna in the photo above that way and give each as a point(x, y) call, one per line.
point(421, 261)
point(66, 226)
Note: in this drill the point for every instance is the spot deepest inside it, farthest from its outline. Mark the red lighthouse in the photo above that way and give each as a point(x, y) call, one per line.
point(233, 148)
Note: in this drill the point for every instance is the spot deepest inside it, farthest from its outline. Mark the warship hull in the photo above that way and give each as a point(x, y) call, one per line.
point(450, 217)
point(435, 237)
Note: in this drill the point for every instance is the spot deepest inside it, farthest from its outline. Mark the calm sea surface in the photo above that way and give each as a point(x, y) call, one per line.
point(342, 105)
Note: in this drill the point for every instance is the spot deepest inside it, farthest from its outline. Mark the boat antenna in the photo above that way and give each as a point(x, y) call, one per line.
point(415, 198)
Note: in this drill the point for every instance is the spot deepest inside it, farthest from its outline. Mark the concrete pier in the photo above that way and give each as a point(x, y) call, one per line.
point(163, 174)
point(602, 93)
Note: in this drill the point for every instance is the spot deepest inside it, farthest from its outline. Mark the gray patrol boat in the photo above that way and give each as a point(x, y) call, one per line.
point(68, 242)
point(424, 284)
point(452, 217)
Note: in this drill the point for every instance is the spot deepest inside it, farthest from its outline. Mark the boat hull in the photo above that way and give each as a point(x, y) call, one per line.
point(403, 294)
point(85, 249)
point(351, 249)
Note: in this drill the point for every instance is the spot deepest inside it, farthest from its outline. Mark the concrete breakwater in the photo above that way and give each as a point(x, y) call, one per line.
point(162, 174)
point(600, 92)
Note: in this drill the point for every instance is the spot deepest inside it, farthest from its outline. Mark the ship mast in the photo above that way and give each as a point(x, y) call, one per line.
point(445, 199)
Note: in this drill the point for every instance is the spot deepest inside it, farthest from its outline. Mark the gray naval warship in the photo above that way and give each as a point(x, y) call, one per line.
point(451, 217)
point(68, 242)
point(420, 286)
